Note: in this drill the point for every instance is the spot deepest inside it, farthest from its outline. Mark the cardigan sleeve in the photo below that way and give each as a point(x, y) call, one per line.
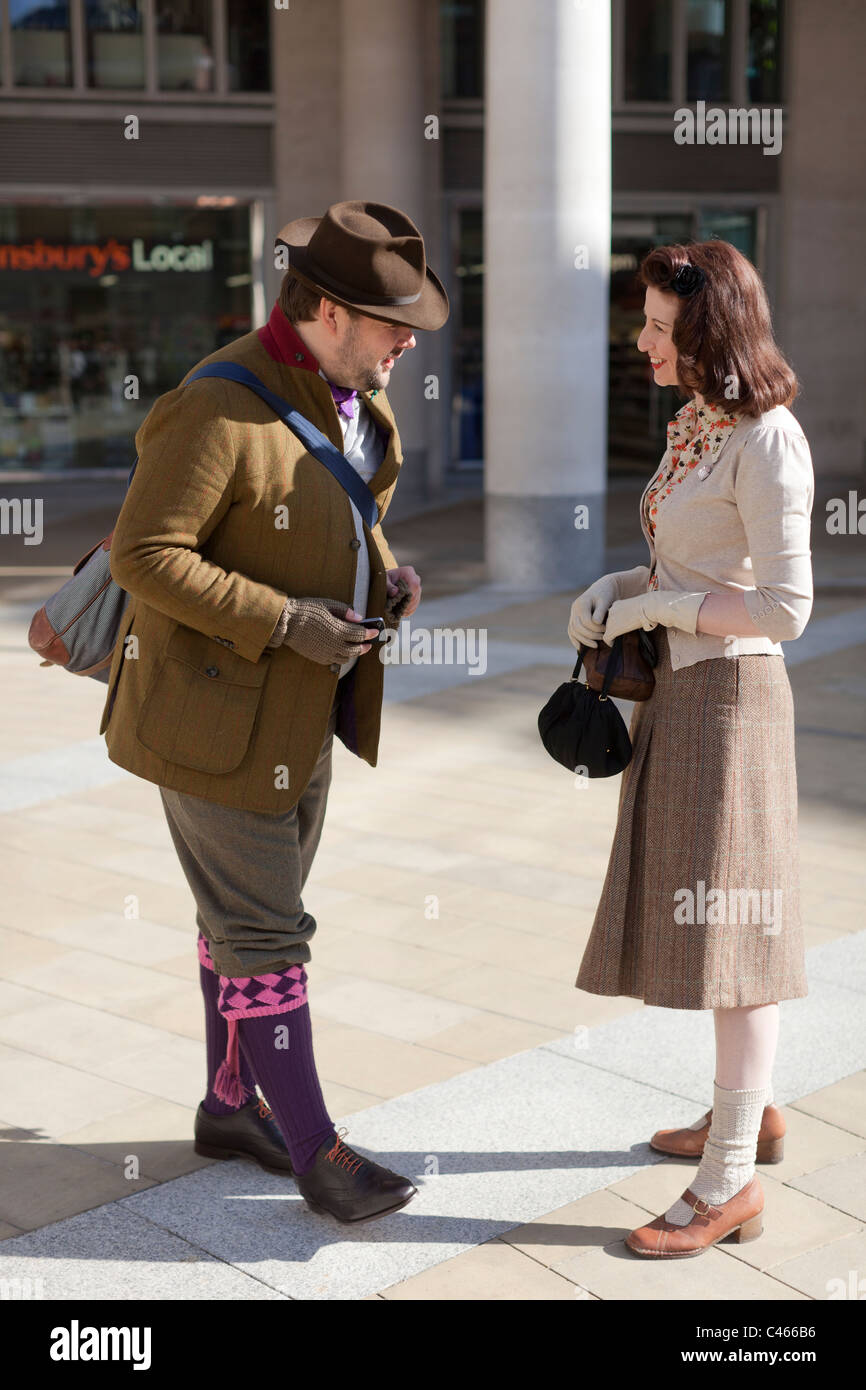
point(774, 491)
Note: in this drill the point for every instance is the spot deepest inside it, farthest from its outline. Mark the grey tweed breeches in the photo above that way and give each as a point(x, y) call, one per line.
point(247, 870)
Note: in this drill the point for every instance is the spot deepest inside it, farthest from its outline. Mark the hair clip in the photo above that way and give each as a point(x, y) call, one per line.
point(688, 279)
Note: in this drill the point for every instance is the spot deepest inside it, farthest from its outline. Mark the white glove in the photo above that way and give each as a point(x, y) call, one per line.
point(666, 606)
point(589, 610)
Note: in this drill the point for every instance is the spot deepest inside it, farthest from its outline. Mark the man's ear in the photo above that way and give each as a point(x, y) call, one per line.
point(328, 314)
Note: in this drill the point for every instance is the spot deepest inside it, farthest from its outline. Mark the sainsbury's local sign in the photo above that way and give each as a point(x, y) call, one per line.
point(105, 257)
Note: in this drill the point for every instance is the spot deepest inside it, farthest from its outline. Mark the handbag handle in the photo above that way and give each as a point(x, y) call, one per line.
point(614, 666)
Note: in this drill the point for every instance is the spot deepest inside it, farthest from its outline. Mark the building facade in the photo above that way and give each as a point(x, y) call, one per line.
point(149, 152)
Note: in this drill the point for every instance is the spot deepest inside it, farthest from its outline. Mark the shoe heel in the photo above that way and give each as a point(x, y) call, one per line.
point(750, 1230)
point(770, 1151)
point(210, 1151)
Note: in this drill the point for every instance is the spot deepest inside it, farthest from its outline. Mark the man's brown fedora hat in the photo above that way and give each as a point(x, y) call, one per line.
point(370, 257)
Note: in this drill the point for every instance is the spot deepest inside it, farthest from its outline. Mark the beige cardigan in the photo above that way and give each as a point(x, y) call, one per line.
point(746, 529)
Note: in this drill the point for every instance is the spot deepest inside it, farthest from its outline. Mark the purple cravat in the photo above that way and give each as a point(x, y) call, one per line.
point(344, 399)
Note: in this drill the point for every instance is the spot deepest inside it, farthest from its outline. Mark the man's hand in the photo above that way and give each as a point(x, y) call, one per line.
point(407, 573)
point(323, 630)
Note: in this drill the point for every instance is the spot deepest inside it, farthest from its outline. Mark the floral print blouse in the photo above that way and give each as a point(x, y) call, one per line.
point(695, 438)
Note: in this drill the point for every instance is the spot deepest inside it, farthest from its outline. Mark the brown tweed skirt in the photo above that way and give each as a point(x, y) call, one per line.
point(700, 907)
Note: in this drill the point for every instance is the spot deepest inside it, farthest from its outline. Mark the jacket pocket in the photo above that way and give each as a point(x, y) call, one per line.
point(202, 703)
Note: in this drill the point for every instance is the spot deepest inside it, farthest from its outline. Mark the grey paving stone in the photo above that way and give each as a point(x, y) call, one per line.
point(841, 962)
point(113, 1253)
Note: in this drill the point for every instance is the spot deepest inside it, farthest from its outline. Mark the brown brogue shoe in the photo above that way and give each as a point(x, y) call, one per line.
point(689, 1143)
point(740, 1220)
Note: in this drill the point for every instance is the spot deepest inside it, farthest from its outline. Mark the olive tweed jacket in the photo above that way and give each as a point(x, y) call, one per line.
point(228, 515)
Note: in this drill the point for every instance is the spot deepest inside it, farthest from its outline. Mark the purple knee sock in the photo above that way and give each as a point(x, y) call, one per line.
point(216, 1033)
point(287, 1076)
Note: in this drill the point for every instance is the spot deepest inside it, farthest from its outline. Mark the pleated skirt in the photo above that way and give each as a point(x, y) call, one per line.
point(700, 907)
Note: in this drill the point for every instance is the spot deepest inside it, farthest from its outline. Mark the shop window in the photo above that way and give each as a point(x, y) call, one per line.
point(115, 44)
point(102, 309)
point(40, 43)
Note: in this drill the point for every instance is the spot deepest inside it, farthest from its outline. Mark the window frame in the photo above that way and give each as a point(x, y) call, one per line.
point(739, 42)
point(151, 91)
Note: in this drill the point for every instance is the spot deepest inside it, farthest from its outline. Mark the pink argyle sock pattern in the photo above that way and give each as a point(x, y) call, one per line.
point(204, 955)
point(249, 996)
point(256, 996)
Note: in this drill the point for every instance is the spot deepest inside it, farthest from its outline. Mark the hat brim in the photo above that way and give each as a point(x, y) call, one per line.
point(429, 311)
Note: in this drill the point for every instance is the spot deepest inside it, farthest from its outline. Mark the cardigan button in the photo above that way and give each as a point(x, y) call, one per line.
point(354, 544)
point(335, 667)
point(212, 671)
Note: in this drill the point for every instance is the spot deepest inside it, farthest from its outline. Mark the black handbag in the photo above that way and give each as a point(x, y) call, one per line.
point(582, 728)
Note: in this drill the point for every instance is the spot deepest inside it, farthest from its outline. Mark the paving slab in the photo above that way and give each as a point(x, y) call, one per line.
point(841, 1185)
point(114, 1254)
point(833, 1271)
point(842, 1103)
point(492, 1272)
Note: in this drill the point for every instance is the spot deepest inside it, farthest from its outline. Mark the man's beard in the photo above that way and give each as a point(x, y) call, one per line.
point(361, 375)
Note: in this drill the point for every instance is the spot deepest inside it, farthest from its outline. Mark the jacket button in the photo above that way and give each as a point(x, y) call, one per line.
point(335, 667)
point(212, 671)
point(354, 544)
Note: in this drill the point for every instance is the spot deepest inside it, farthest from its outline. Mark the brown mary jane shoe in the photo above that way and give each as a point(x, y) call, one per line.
point(739, 1219)
point(689, 1143)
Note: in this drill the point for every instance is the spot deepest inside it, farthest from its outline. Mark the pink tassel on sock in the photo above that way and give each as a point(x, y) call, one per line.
point(227, 1085)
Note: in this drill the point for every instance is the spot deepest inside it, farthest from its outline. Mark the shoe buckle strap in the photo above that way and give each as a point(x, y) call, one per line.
point(697, 1203)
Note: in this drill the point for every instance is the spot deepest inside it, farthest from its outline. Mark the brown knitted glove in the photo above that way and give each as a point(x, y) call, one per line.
point(396, 604)
point(317, 629)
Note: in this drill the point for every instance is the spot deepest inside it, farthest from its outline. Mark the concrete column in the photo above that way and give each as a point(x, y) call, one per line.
point(305, 59)
point(385, 157)
point(305, 71)
point(822, 312)
point(547, 192)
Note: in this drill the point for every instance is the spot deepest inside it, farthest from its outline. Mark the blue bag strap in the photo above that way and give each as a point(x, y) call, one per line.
point(317, 443)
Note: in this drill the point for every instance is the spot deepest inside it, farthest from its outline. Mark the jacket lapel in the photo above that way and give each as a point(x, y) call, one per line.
point(380, 409)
